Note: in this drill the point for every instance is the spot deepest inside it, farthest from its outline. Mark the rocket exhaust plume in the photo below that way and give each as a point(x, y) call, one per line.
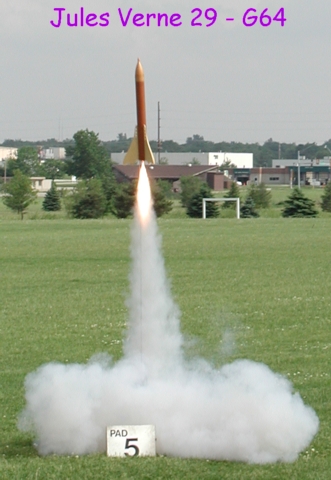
point(242, 411)
point(144, 197)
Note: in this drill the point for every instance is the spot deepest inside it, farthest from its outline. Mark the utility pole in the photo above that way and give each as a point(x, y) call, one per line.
point(158, 133)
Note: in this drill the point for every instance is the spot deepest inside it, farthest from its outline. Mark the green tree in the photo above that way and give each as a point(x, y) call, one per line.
point(226, 165)
point(298, 205)
point(18, 193)
point(247, 210)
point(108, 184)
point(260, 195)
point(125, 196)
point(233, 192)
point(168, 146)
point(87, 158)
point(162, 205)
point(123, 199)
point(88, 200)
point(52, 200)
point(326, 198)
point(166, 188)
point(11, 166)
point(164, 161)
point(194, 161)
point(121, 144)
point(53, 169)
point(189, 186)
point(27, 162)
point(194, 208)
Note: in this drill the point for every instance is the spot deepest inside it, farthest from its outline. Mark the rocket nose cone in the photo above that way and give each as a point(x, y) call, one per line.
point(139, 72)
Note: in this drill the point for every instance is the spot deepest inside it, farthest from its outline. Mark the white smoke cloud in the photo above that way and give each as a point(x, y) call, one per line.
point(242, 411)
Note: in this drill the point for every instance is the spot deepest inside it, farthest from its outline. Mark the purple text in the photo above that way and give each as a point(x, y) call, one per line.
point(79, 19)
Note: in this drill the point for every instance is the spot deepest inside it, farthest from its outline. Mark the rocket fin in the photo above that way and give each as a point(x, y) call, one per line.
point(149, 157)
point(131, 157)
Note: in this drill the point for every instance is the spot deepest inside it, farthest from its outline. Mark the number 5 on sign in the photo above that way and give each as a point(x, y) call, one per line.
point(131, 440)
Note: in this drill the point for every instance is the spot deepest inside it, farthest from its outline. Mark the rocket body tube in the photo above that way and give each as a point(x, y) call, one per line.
point(141, 109)
point(139, 148)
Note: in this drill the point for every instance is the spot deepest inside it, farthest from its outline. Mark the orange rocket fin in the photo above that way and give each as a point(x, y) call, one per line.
point(132, 155)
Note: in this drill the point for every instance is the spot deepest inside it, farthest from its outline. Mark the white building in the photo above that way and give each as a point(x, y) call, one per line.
point(240, 160)
point(7, 152)
point(41, 184)
point(53, 153)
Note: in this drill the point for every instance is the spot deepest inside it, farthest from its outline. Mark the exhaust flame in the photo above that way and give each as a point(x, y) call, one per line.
point(144, 197)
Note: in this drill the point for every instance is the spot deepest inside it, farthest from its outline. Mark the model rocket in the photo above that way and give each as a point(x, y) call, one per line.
point(139, 148)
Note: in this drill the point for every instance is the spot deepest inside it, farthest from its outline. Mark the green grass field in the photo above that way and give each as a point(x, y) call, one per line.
point(263, 283)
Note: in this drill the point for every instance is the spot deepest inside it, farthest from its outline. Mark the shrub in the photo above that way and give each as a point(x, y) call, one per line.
point(194, 208)
point(326, 198)
point(260, 195)
point(123, 199)
point(298, 205)
point(18, 193)
point(88, 200)
point(125, 196)
point(189, 186)
point(162, 204)
point(247, 210)
point(234, 192)
point(52, 201)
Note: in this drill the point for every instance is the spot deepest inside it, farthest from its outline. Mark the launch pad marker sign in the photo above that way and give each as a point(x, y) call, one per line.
point(131, 441)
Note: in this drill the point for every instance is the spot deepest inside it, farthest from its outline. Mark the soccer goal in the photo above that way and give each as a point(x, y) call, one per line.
point(205, 200)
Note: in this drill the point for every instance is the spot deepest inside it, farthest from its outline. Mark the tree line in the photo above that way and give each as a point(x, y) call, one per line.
point(262, 154)
point(97, 192)
point(257, 197)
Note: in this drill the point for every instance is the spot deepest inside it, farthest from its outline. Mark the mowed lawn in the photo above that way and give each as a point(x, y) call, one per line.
point(257, 289)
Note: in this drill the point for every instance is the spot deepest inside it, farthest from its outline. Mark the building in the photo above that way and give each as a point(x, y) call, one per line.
point(52, 153)
point(314, 171)
point(304, 162)
point(269, 176)
point(7, 152)
point(41, 184)
point(172, 173)
point(241, 160)
point(315, 176)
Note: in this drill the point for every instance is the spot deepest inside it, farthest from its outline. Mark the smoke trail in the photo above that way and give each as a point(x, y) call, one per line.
point(242, 411)
point(154, 333)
